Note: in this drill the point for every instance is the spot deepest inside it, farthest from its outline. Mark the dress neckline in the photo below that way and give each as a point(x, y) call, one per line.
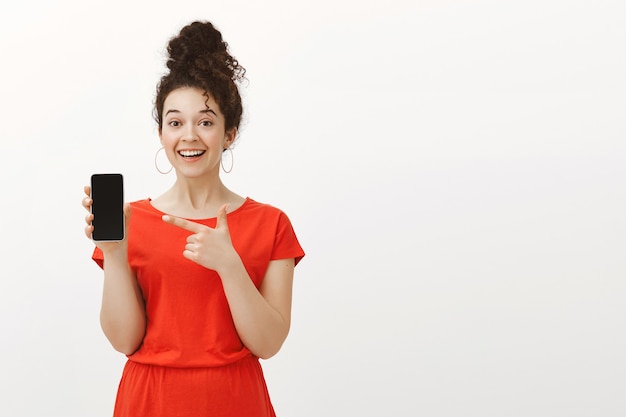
point(245, 203)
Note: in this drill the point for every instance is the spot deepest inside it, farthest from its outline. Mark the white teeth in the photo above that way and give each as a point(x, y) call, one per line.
point(189, 154)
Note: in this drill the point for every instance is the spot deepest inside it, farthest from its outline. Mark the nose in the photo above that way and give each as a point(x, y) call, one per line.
point(189, 134)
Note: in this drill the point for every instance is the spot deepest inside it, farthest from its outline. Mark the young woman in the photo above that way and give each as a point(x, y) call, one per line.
point(201, 286)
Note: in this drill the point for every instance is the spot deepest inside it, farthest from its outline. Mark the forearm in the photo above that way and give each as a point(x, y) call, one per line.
point(260, 326)
point(122, 315)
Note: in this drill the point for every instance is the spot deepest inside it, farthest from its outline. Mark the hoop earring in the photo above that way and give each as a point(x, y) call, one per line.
point(232, 160)
point(156, 165)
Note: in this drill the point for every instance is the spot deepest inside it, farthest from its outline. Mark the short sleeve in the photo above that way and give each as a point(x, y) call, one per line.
point(98, 257)
point(286, 243)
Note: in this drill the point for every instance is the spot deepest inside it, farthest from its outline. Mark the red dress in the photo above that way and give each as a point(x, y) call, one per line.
point(192, 362)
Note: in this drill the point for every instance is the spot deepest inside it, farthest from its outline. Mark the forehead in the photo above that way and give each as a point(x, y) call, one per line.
point(189, 100)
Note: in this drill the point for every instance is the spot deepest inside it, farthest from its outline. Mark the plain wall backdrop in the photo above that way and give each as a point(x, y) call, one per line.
point(454, 169)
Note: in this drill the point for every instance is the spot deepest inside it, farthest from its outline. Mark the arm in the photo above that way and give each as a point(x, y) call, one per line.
point(262, 316)
point(122, 315)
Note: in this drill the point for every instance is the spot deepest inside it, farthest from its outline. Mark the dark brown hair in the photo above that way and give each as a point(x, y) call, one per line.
point(199, 58)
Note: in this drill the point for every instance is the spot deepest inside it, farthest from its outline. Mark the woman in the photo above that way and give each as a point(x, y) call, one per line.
point(201, 286)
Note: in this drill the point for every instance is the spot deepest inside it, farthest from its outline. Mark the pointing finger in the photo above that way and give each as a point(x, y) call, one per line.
point(184, 224)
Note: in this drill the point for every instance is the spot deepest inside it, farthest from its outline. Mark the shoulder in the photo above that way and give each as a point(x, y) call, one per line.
point(265, 216)
point(253, 205)
point(143, 205)
point(143, 210)
point(253, 208)
point(273, 223)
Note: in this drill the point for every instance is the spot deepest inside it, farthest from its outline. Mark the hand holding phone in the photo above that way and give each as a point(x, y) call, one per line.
point(107, 207)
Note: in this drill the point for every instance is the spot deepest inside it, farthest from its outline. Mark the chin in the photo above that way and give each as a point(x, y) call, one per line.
point(196, 173)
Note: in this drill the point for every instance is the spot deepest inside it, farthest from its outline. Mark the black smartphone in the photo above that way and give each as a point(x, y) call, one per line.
point(107, 195)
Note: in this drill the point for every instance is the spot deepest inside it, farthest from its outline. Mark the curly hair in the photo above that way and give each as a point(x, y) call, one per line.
point(199, 58)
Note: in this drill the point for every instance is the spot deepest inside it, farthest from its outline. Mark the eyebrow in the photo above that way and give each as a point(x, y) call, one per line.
point(201, 111)
point(208, 110)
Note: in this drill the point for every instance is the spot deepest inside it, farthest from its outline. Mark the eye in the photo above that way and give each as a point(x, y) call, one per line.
point(174, 123)
point(206, 123)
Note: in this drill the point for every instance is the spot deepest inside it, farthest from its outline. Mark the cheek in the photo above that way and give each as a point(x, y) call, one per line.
point(167, 140)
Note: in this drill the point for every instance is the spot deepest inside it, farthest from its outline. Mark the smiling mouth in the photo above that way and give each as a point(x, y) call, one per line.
point(191, 153)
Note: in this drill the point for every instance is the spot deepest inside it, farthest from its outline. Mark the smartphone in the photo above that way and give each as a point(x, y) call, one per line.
point(107, 195)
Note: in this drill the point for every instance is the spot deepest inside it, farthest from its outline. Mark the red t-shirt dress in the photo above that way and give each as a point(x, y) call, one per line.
point(192, 362)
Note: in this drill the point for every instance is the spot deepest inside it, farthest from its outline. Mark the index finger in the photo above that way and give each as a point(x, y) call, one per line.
point(183, 224)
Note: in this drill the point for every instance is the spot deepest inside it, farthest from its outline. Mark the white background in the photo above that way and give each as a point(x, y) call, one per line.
point(454, 169)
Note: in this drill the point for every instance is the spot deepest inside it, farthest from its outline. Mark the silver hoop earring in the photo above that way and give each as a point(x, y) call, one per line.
point(156, 164)
point(232, 160)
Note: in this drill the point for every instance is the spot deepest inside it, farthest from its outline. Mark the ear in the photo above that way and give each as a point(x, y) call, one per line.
point(230, 137)
point(160, 136)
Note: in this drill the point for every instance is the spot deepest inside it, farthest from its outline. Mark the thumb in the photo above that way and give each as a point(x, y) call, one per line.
point(221, 222)
point(127, 212)
point(127, 209)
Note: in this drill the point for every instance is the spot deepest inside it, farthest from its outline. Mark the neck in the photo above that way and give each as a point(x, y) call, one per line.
point(198, 194)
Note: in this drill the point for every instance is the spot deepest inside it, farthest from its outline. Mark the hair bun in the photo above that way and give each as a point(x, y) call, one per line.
point(199, 47)
point(199, 58)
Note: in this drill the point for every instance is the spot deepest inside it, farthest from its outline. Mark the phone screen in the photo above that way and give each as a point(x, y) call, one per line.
point(107, 194)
